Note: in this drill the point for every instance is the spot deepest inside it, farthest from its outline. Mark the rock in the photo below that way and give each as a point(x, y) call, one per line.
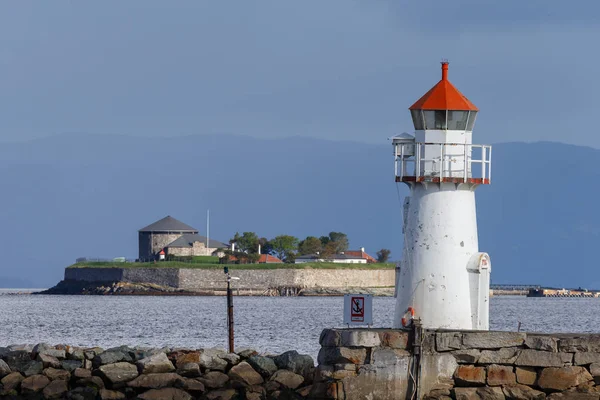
point(155, 381)
point(190, 370)
point(231, 358)
point(57, 374)
point(467, 393)
point(59, 354)
point(11, 382)
point(588, 343)
point(56, 389)
point(490, 393)
point(303, 364)
point(394, 339)
point(247, 353)
point(544, 343)
point(93, 381)
point(470, 356)
point(18, 360)
point(33, 368)
point(498, 375)
point(165, 394)
point(595, 369)
point(263, 365)
point(28, 348)
point(34, 383)
point(71, 365)
point(48, 361)
point(82, 393)
point(492, 340)
point(75, 353)
point(155, 364)
point(119, 372)
point(586, 358)
point(573, 396)
point(446, 341)
point(526, 376)
point(186, 358)
point(110, 357)
point(192, 385)
point(4, 368)
point(244, 373)
point(272, 386)
point(522, 392)
point(469, 375)
point(82, 373)
point(105, 394)
point(341, 355)
point(563, 378)
point(330, 338)
point(505, 356)
point(214, 379)
point(536, 358)
point(223, 394)
point(288, 379)
point(210, 359)
point(359, 338)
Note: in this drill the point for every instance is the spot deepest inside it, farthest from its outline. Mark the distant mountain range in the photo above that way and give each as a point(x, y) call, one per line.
point(70, 196)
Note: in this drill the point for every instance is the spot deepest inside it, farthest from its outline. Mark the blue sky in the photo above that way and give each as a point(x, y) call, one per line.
point(335, 69)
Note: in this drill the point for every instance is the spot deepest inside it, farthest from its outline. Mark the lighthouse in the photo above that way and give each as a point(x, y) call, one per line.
point(443, 278)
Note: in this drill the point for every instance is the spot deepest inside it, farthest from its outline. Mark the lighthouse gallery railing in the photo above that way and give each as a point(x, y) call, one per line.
point(448, 163)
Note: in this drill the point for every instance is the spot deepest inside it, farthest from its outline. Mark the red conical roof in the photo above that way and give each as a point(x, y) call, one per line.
point(444, 96)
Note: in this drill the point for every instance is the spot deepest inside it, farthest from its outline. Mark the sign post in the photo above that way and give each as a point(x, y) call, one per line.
point(358, 309)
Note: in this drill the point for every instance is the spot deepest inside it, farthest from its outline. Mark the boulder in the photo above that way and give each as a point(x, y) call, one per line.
point(492, 340)
point(359, 338)
point(82, 393)
point(156, 363)
point(446, 341)
point(231, 358)
point(499, 375)
point(522, 392)
point(80, 373)
point(341, 355)
point(11, 382)
point(4, 369)
point(118, 372)
point(573, 396)
point(210, 359)
point(263, 365)
point(303, 364)
point(595, 369)
point(526, 375)
point(490, 393)
point(165, 394)
point(34, 384)
point(60, 354)
point(75, 353)
point(563, 378)
point(93, 381)
point(33, 368)
point(465, 393)
point(586, 358)
point(245, 374)
point(214, 379)
point(588, 343)
point(544, 343)
point(470, 356)
point(247, 353)
point(287, 379)
point(192, 385)
point(110, 357)
point(469, 375)
point(187, 358)
point(56, 390)
point(57, 374)
point(155, 381)
point(71, 365)
point(18, 360)
point(48, 361)
point(105, 394)
point(536, 358)
point(395, 339)
point(505, 356)
point(330, 338)
point(190, 370)
point(223, 394)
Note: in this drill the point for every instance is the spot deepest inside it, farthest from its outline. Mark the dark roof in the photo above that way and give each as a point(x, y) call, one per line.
point(188, 239)
point(333, 257)
point(168, 224)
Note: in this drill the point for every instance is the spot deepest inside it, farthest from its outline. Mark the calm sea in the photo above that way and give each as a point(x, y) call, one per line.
point(268, 324)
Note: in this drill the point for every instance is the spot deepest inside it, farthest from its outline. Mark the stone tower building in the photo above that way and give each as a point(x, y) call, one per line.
point(157, 236)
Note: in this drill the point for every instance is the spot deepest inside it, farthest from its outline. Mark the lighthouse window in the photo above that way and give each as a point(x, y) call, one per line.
point(471, 123)
point(457, 120)
point(435, 119)
point(417, 118)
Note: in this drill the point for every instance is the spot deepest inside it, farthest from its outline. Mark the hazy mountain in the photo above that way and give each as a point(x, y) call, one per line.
point(76, 195)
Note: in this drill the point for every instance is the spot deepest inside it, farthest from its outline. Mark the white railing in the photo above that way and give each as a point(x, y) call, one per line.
point(443, 161)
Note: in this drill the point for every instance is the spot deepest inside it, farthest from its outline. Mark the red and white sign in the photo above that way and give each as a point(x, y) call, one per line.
point(358, 309)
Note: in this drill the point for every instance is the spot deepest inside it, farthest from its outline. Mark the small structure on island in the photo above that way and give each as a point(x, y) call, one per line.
point(345, 257)
point(172, 237)
point(443, 278)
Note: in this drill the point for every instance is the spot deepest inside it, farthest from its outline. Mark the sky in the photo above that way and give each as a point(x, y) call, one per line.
point(335, 69)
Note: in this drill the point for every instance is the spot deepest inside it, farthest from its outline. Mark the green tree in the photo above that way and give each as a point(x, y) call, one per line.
point(246, 242)
point(265, 246)
point(383, 255)
point(340, 240)
point(324, 240)
point(310, 245)
point(284, 246)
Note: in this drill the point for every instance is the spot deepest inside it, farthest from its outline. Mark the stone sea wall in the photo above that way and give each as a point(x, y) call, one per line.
point(462, 365)
point(63, 372)
point(252, 281)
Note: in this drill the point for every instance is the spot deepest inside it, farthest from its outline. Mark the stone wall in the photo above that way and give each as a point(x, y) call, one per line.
point(64, 372)
point(462, 365)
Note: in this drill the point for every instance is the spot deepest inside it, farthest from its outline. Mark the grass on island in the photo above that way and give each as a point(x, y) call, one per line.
point(199, 265)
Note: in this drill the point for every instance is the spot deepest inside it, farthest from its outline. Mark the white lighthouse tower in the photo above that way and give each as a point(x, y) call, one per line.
point(443, 278)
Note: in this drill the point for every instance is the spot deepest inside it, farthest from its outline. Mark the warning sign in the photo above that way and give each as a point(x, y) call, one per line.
point(358, 309)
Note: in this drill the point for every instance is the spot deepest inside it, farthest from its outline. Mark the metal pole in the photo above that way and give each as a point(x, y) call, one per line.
point(230, 314)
